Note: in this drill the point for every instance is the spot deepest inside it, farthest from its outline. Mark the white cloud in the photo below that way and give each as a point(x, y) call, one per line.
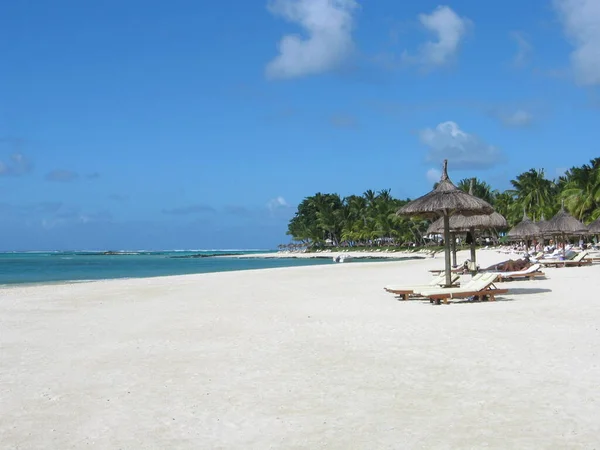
point(524, 48)
point(581, 22)
point(433, 175)
point(277, 203)
point(327, 25)
point(463, 150)
point(449, 29)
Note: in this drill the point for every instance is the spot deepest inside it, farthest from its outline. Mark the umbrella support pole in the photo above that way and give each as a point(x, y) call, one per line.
point(447, 249)
point(453, 237)
point(473, 254)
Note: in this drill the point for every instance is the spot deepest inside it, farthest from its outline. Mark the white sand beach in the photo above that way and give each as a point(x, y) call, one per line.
point(301, 358)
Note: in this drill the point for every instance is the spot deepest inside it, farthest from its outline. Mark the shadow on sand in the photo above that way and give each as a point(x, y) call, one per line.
point(526, 291)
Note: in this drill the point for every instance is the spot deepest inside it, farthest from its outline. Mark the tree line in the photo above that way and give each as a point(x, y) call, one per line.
point(370, 218)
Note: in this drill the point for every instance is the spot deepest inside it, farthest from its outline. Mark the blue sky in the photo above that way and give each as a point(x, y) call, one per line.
point(187, 124)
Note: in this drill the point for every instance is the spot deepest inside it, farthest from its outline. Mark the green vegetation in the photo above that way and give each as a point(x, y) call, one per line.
point(370, 219)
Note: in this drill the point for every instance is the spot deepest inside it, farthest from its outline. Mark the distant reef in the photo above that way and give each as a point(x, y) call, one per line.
point(122, 253)
point(203, 255)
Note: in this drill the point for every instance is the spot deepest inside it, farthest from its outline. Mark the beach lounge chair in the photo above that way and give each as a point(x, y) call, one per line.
point(594, 257)
point(529, 273)
point(578, 260)
point(405, 290)
point(481, 287)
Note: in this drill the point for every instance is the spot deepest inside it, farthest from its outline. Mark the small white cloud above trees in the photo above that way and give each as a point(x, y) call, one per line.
point(277, 203)
point(464, 150)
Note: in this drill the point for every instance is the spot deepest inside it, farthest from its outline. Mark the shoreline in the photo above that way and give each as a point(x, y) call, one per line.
point(221, 263)
point(172, 277)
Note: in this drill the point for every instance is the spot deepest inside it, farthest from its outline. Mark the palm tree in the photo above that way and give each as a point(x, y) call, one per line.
point(327, 207)
point(581, 190)
point(505, 204)
point(360, 219)
point(480, 189)
point(534, 193)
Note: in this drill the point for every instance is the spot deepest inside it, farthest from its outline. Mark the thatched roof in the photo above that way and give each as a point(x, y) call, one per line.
point(525, 228)
point(459, 222)
point(445, 197)
point(481, 222)
point(437, 227)
point(594, 227)
point(542, 224)
point(563, 222)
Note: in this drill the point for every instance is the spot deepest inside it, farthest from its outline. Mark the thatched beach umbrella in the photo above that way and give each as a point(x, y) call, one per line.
point(542, 225)
point(461, 223)
point(564, 224)
point(444, 201)
point(480, 222)
point(594, 227)
point(525, 229)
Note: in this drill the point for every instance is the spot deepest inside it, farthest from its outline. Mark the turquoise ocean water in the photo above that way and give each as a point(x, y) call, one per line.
point(48, 267)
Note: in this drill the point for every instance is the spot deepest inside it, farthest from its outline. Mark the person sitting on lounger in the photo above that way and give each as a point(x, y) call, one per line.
point(511, 265)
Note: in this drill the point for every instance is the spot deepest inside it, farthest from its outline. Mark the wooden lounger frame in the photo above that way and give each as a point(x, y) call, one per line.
point(405, 293)
point(490, 291)
point(520, 276)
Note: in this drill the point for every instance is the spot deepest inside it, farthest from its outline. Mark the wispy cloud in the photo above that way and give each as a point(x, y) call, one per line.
point(327, 25)
point(92, 176)
point(16, 165)
point(99, 216)
point(343, 121)
point(524, 48)
point(52, 214)
point(580, 19)
point(281, 114)
point(516, 118)
point(240, 211)
point(277, 203)
point(31, 208)
point(466, 151)
point(61, 176)
point(189, 210)
point(70, 215)
point(519, 118)
point(514, 115)
point(449, 30)
point(118, 197)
